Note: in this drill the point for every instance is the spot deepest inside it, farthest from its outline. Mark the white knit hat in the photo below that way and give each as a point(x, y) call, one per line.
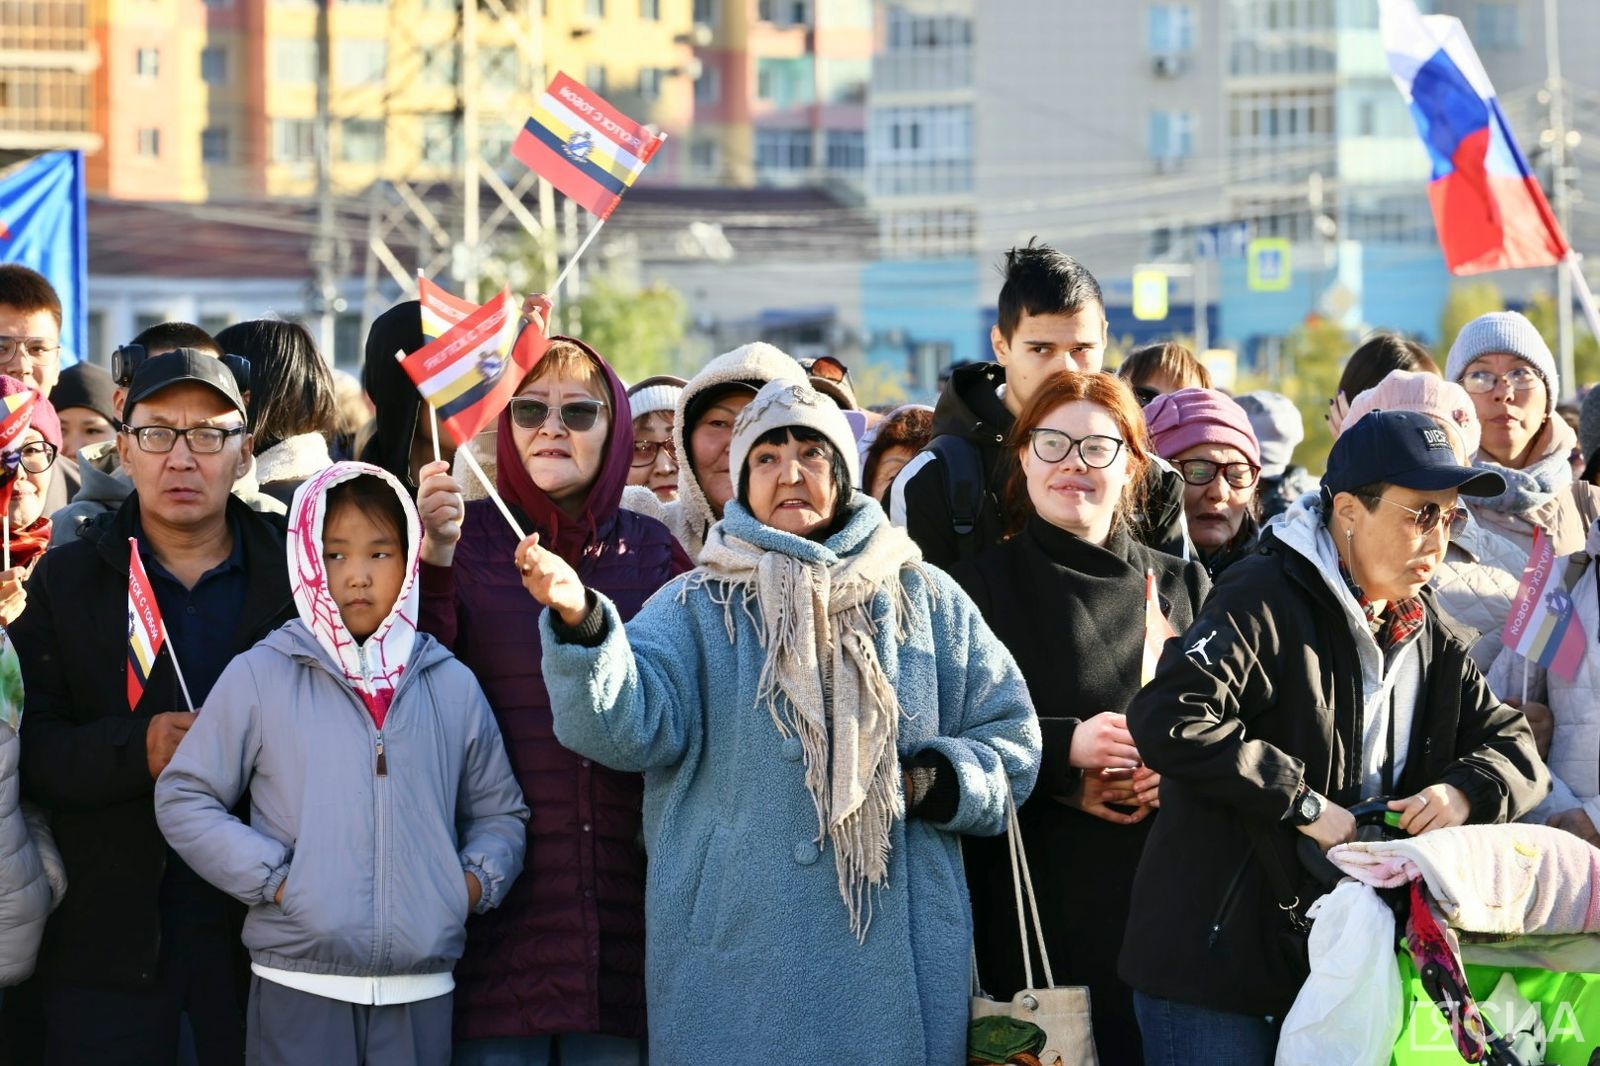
point(783, 404)
point(1509, 333)
point(659, 393)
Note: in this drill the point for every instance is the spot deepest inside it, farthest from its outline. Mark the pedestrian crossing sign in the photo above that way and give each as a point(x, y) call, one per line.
point(1267, 264)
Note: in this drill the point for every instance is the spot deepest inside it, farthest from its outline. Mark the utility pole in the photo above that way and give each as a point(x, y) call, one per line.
point(467, 78)
point(325, 284)
point(1559, 189)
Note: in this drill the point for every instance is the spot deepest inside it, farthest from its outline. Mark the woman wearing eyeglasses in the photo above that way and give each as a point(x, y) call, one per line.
point(1066, 594)
point(1208, 440)
point(557, 971)
point(30, 468)
point(655, 456)
point(1319, 673)
point(1507, 369)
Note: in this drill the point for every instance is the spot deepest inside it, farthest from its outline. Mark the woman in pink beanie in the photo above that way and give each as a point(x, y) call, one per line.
point(1208, 438)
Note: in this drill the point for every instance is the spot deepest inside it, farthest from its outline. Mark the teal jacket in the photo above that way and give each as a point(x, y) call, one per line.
point(749, 948)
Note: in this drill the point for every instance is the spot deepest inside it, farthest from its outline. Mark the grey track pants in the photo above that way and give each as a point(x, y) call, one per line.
point(287, 1027)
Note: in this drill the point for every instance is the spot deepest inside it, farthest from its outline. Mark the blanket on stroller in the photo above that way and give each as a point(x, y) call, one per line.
point(1511, 879)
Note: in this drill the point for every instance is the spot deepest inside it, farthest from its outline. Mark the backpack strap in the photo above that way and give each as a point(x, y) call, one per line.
point(964, 484)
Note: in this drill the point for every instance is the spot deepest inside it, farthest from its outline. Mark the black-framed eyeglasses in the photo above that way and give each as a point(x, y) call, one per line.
point(1428, 516)
point(202, 440)
point(37, 457)
point(1097, 450)
point(32, 347)
point(1145, 395)
point(577, 415)
point(1521, 379)
point(645, 452)
point(1204, 472)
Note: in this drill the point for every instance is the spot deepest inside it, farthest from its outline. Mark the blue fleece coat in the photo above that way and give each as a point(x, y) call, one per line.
point(749, 952)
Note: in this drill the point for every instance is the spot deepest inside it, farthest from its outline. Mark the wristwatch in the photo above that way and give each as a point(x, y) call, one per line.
point(1307, 806)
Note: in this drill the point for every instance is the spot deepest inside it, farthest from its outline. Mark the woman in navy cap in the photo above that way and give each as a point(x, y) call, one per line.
point(1319, 673)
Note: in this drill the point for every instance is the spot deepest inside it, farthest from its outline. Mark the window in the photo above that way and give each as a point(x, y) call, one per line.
point(440, 63)
point(361, 140)
point(650, 10)
point(595, 9)
point(594, 76)
point(294, 61)
point(361, 62)
point(150, 143)
point(784, 12)
point(705, 11)
point(785, 82)
point(1496, 27)
point(147, 62)
point(499, 69)
point(708, 86)
point(214, 65)
point(650, 83)
point(441, 140)
point(783, 149)
point(847, 150)
point(1170, 135)
point(294, 140)
point(214, 144)
point(705, 156)
point(494, 146)
point(844, 81)
point(1169, 29)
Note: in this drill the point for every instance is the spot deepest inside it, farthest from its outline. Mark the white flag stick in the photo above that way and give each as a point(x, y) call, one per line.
point(572, 260)
point(433, 421)
point(465, 451)
point(172, 653)
point(5, 523)
point(1524, 681)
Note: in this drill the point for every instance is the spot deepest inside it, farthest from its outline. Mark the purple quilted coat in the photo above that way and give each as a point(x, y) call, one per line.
point(565, 952)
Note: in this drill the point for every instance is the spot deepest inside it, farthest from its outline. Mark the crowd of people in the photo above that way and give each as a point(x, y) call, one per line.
point(716, 760)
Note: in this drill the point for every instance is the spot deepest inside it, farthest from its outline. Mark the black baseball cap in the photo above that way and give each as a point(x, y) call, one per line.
point(179, 365)
point(1403, 448)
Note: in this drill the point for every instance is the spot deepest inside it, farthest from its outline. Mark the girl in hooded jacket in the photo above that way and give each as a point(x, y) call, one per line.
point(557, 972)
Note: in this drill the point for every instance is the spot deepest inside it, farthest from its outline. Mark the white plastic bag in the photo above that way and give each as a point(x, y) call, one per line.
point(1348, 1012)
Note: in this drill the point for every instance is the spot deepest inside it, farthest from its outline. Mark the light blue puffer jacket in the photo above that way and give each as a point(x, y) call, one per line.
point(32, 878)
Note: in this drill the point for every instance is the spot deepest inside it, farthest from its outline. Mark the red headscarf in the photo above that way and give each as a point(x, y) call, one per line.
point(567, 537)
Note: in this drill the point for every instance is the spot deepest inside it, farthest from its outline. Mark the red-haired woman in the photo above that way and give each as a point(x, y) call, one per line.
point(1066, 595)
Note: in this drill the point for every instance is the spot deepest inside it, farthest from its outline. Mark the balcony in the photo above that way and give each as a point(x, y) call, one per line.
point(933, 177)
point(933, 70)
point(47, 62)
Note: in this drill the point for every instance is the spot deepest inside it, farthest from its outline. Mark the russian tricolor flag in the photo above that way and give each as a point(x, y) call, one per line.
point(1488, 207)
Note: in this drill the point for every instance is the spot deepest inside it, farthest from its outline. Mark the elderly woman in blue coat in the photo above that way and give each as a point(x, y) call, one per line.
point(819, 717)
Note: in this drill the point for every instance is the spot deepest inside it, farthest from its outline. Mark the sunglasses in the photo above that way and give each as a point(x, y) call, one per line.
point(828, 368)
point(1428, 516)
point(1145, 395)
point(1204, 472)
point(576, 415)
point(645, 452)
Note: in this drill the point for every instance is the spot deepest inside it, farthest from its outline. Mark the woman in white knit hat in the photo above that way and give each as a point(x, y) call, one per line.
point(1507, 369)
point(818, 717)
point(654, 403)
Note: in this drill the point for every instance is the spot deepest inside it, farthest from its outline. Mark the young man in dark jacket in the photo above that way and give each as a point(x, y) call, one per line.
point(140, 939)
point(951, 496)
point(1319, 673)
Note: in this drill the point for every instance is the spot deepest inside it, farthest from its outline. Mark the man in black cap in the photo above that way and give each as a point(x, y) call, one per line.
point(1319, 673)
point(142, 941)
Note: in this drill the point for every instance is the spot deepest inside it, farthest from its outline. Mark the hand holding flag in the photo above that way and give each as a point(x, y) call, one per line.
point(147, 632)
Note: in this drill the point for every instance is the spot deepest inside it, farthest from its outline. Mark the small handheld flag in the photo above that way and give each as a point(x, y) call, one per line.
point(1488, 207)
point(147, 633)
point(16, 414)
point(469, 373)
point(584, 146)
point(1543, 624)
point(440, 309)
point(1157, 630)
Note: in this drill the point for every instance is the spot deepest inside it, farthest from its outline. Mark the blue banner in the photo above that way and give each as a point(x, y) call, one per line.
point(44, 225)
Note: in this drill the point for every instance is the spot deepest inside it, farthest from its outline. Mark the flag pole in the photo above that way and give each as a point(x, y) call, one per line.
point(572, 260)
point(465, 451)
point(172, 653)
point(433, 422)
point(1591, 313)
point(5, 521)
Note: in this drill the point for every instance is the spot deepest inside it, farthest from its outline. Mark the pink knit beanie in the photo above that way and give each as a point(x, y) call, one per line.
point(1446, 402)
point(1181, 420)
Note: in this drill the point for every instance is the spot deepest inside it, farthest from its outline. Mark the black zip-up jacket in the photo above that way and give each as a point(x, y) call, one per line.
point(971, 411)
point(1262, 692)
point(83, 748)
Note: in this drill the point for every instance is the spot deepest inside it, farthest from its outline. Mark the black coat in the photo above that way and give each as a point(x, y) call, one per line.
point(1272, 697)
point(83, 748)
point(1073, 615)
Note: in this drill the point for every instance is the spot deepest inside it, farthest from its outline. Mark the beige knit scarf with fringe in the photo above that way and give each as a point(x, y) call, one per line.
point(823, 682)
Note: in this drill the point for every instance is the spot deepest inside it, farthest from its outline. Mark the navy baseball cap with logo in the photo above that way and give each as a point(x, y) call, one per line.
point(179, 365)
point(1403, 448)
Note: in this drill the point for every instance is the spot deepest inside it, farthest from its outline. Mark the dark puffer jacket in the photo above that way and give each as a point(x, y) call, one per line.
point(564, 953)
